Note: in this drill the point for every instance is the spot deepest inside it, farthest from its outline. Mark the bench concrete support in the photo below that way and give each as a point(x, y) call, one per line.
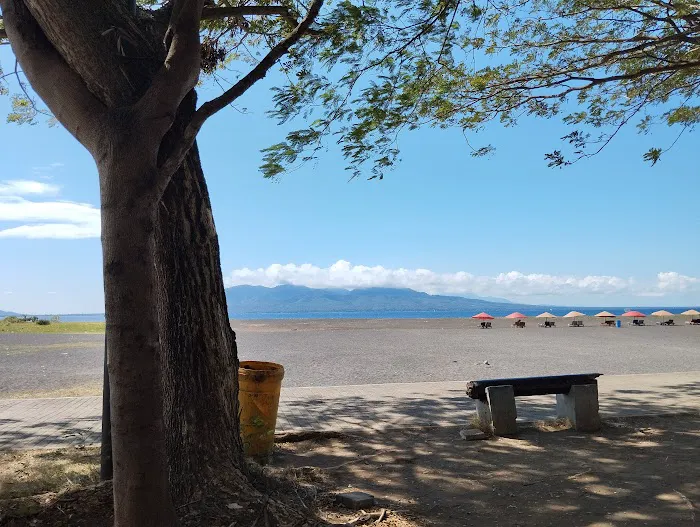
point(580, 406)
point(498, 412)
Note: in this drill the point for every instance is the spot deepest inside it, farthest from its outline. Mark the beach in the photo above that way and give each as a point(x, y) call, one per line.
point(376, 351)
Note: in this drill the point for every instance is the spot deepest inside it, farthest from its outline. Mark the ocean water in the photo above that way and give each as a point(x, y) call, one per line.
point(529, 311)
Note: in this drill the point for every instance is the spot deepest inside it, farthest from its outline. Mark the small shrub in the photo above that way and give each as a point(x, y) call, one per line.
point(43, 322)
point(55, 319)
point(12, 320)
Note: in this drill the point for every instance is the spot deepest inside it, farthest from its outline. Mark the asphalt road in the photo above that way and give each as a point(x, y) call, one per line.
point(367, 352)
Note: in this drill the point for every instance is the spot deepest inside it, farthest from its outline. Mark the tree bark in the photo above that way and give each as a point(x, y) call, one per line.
point(198, 351)
point(106, 466)
point(200, 361)
point(141, 491)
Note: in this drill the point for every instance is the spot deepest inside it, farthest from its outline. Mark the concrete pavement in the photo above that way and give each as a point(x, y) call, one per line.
point(61, 422)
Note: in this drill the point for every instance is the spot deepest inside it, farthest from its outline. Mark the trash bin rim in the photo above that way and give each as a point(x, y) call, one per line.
point(256, 368)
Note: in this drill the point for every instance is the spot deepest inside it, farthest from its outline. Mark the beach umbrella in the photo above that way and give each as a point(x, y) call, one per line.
point(635, 314)
point(483, 316)
point(691, 313)
point(574, 314)
point(546, 314)
point(605, 314)
point(662, 313)
point(516, 314)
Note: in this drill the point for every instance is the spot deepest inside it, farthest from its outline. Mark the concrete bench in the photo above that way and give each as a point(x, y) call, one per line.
point(577, 400)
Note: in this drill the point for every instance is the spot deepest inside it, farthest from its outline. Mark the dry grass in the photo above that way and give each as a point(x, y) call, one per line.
point(30, 472)
point(553, 425)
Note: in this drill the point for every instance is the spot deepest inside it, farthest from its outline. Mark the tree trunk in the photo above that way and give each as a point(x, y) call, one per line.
point(200, 362)
point(141, 493)
point(106, 466)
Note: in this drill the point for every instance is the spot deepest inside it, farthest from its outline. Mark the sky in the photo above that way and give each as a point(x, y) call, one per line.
point(610, 230)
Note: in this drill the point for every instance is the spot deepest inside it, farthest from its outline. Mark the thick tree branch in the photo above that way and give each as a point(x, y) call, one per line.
point(63, 90)
point(173, 161)
point(179, 72)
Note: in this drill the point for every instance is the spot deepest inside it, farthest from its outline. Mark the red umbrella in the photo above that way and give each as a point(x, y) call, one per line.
point(516, 315)
point(483, 316)
point(635, 314)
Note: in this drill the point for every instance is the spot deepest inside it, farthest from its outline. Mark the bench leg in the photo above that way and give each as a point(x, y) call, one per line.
point(498, 412)
point(580, 406)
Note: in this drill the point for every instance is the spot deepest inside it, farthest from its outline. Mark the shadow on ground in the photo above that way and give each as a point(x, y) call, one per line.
point(15, 434)
point(417, 409)
point(635, 471)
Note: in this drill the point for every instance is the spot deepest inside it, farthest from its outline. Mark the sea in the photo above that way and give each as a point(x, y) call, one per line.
point(529, 311)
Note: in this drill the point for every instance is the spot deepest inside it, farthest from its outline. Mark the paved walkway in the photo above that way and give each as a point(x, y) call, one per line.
point(55, 423)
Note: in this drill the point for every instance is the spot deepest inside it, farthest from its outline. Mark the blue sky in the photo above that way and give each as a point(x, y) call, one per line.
point(610, 230)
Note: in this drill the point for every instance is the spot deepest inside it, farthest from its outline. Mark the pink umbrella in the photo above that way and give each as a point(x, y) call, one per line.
point(516, 315)
point(483, 316)
point(635, 314)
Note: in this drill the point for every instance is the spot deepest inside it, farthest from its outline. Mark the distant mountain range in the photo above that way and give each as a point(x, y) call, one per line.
point(247, 299)
point(7, 314)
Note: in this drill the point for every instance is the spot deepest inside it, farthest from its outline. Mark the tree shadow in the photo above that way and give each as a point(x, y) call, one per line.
point(16, 434)
point(381, 411)
point(636, 470)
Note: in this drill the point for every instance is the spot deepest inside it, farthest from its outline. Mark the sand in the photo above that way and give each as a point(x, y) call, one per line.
point(342, 352)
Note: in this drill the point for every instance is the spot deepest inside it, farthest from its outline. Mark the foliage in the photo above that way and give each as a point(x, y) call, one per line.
point(384, 67)
point(43, 322)
point(368, 71)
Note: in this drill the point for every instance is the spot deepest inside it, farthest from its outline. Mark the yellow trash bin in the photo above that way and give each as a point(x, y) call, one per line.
point(259, 385)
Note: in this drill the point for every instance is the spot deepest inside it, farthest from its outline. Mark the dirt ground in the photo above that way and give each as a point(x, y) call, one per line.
point(641, 471)
point(635, 471)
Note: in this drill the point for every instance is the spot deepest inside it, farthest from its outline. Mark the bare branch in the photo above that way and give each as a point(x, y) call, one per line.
point(213, 13)
point(173, 161)
point(63, 91)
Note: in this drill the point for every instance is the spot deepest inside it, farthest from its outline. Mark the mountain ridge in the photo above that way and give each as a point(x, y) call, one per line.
point(249, 299)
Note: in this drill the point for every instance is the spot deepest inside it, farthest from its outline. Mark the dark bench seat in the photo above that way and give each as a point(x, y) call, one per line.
point(577, 399)
point(524, 386)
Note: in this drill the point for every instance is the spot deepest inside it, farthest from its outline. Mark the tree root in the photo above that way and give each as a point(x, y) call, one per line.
point(365, 517)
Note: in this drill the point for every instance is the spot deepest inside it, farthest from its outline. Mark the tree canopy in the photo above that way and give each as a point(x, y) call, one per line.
point(359, 73)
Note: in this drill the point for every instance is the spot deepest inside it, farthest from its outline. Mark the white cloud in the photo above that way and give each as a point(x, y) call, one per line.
point(343, 274)
point(677, 283)
point(23, 187)
point(44, 219)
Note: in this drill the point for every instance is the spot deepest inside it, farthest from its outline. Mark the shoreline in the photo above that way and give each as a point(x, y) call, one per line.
point(531, 323)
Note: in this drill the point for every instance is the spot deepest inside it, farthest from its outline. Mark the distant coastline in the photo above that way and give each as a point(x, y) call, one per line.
point(529, 311)
point(288, 302)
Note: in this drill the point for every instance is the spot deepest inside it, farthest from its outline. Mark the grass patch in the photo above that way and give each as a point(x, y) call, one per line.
point(53, 327)
point(29, 472)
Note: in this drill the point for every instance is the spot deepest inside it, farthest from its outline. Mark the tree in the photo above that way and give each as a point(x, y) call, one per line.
point(121, 81)
point(130, 112)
